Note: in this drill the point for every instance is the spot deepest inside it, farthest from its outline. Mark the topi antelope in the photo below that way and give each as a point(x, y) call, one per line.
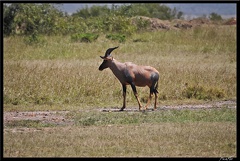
point(132, 74)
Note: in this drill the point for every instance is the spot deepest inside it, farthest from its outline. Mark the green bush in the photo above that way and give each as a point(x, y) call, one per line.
point(215, 17)
point(30, 18)
point(118, 24)
point(84, 37)
point(119, 37)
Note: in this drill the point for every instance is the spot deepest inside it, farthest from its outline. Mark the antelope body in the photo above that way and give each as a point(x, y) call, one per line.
point(132, 74)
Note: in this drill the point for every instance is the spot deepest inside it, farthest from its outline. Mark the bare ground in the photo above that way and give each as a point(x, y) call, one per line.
point(59, 117)
point(158, 24)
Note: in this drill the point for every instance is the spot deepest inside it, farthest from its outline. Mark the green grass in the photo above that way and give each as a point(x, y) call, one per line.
point(97, 118)
point(175, 116)
point(165, 133)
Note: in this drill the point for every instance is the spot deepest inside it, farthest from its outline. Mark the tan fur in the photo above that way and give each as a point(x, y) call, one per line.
point(135, 75)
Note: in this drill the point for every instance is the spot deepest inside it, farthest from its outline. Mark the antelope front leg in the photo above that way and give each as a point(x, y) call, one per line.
point(124, 87)
point(136, 95)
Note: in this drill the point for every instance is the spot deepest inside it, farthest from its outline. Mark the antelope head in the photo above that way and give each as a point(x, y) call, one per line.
point(107, 58)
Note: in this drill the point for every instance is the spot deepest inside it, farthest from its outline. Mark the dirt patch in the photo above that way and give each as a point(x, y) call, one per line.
point(154, 23)
point(182, 24)
point(218, 104)
point(231, 21)
point(158, 24)
point(60, 117)
point(52, 117)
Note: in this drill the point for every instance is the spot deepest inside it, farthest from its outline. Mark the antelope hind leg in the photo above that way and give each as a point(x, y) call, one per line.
point(149, 100)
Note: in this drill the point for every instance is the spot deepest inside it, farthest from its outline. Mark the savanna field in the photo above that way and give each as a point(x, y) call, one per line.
point(196, 66)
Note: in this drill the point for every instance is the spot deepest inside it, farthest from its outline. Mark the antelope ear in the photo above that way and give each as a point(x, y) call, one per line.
point(106, 58)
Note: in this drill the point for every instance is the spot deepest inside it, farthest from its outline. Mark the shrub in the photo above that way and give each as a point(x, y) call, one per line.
point(84, 37)
point(119, 37)
point(215, 17)
point(118, 24)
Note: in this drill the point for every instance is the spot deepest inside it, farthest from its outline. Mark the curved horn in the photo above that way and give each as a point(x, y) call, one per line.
point(108, 52)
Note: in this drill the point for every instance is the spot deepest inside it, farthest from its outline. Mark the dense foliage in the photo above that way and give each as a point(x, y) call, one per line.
point(44, 18)
point(29, 18)
point(138, 9)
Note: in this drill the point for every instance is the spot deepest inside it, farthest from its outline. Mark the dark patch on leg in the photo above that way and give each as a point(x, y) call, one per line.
point(124, 87)
point(154, 78)
point(153, 89)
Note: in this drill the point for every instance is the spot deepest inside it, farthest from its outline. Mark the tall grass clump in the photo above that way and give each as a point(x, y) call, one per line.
point(196, 64)
point(33, 39)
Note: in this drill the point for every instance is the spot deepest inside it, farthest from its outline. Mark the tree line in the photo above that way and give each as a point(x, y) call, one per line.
point(117, 22)
point(48, 19)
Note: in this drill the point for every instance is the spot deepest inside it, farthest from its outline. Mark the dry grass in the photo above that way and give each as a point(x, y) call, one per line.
point(192, 65)
point(196, 139)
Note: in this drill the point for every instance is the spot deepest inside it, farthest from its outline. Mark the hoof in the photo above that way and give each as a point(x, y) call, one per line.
point(142, 110)
point(121, 109)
